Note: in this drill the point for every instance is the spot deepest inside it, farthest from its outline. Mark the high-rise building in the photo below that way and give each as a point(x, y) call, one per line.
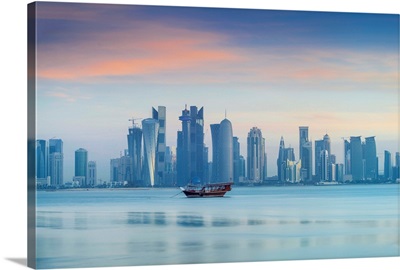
point(81, 165)
point(134, 137)
point(225, 152)
point(371, 159)
point(396, 172)
point(150, 133)
point(183, 150)
point(324, 157)
point(41, 159)
point(320, 146)
point(215, 152)
point(387, 169)
point(255, 155)
point(356, 158)
point(56, 162)
point(197, 143)
point(92, 174)
point(161, 116)
point(305, 147)
point(303, 138)
point(114, 164)
point(347, 157)
point(190, 147)
point(285, 158)
point(236, 160)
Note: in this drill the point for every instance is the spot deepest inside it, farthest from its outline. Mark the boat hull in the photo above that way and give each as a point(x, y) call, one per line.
point(206, 191)
point(193, 194)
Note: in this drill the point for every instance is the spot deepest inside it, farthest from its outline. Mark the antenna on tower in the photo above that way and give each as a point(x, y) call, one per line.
point(225, 113)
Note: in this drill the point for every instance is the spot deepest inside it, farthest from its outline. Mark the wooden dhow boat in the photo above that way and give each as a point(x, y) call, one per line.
point(207, 190)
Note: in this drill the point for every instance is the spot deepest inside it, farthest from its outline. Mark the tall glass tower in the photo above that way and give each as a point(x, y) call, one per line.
point(81, 164)
point(225, 151)
point(56, 162)
point(387, 169)
point(135, 152)
point(41, 159)
point(255, 155)
point(150, 132)
point(371, 159)
point(356, 158)
point(215, 153)
point(161, 116)
point(190, 152)
point(305, 147)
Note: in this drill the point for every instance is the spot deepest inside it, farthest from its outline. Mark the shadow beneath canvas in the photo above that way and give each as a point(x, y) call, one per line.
point(20, 261)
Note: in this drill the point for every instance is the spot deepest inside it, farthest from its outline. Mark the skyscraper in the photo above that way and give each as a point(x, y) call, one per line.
point(236, 160)
point(371, 159)
point(225, 152)
point(356, 158)
point(92, 174)
point(135, 152)
point(183, 149)
point(161, 116)
point(41, 159)
point(56, 162)
point(150, 132)
point(286, 157)
point(255, 155)
point(81, 165)
point(190, 151)
point(347, 157)
point(387, 169)
point(305, 147)
point(303, 137)
point(215, 152)
point(197, 143)
point(324, 161)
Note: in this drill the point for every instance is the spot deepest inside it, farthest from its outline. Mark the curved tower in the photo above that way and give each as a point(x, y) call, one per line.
point(150, 132)
point(225, 153)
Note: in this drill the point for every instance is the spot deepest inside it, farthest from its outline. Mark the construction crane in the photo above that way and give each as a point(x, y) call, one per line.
point(133, 121)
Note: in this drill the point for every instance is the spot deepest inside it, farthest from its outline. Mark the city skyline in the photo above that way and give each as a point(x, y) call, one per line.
point(276, 70)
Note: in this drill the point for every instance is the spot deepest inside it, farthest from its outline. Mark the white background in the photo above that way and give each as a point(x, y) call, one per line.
point(13, 234)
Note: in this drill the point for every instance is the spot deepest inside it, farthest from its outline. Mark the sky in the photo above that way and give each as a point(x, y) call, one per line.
point(100, 65)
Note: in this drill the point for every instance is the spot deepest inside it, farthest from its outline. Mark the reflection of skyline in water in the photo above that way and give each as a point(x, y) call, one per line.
point(170, 235)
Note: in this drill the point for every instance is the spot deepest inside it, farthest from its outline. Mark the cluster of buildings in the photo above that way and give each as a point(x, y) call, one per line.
point(149, 162)
point(50, 166)
point(360, 161)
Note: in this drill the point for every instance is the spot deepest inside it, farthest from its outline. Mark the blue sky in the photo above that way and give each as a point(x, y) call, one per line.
point(99, 65)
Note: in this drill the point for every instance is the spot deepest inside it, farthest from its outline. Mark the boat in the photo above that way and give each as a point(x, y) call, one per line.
point(207, 190)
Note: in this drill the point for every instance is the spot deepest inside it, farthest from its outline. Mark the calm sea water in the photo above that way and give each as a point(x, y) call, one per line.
point(151, 227)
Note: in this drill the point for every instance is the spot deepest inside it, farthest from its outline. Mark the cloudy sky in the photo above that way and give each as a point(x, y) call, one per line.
point(99, 65)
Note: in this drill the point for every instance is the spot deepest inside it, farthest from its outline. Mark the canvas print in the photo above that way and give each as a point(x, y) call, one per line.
point(166, 135)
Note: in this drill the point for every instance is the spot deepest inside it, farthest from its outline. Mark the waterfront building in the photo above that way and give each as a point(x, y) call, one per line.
point(92, 174)
point(215, 152)
point(324, 161)
point(56, 162)
point(134, 137)
point(347, 159)
point(371, 159)
point(356, 158)
point(161, 116)
point(305, 147)
point(197, 162)
point(339, 171)
point(387, 169)
point(190, 147)
point(41, 159)
point(150, 132)
point(255, 155)
point(242, 168)
point(396, 175)
point(236, 160)
point(284, 156)
point(225, 152)
point(114, 164)
point(81, 165)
